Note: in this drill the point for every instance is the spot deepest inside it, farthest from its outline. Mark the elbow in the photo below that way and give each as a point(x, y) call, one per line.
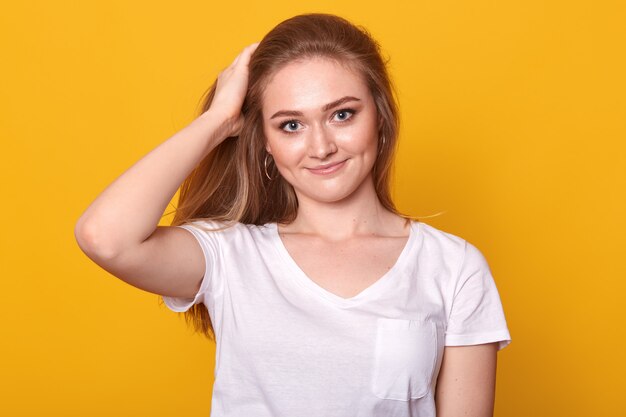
point(91, 238)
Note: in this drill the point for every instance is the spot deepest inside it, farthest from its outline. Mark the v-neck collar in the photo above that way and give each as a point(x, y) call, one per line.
point(375, 288)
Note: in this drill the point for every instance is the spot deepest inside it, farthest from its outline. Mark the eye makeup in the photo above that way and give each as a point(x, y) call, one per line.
point(293, 123)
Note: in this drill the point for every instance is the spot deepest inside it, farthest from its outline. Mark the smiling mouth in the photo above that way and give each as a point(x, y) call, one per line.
point(328, 168)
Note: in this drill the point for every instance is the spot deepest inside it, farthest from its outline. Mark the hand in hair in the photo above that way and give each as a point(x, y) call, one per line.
point(120, 229)
point(230, 91)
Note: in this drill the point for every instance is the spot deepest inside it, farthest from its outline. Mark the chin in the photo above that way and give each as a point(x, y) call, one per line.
point(330, 192)
point(328, 196)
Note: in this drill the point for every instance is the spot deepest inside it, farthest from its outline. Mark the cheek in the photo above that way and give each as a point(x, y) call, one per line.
point(358, 138)
point(285, 151)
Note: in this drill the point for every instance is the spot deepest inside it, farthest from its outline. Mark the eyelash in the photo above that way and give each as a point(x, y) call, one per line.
point(282, 126)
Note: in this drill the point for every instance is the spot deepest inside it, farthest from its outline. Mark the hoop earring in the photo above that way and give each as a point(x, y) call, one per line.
point(265, 165)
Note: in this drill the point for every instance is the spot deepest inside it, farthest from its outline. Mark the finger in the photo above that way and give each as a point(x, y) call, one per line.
point(244, 56)
point(233, 64)
point(247, 52)
point(251, 48)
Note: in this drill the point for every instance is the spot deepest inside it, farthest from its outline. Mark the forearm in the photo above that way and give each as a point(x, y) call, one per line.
point(128, 211)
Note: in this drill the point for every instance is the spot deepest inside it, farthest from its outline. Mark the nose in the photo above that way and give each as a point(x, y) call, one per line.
point(321, 143)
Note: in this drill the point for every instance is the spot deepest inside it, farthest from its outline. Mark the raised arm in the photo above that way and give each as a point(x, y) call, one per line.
point(467, 381)
point(119, 230)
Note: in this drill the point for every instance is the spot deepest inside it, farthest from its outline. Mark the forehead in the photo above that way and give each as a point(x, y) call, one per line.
point(311, 83)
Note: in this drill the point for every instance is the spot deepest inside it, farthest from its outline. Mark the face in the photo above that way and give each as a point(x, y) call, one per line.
point(321, 126)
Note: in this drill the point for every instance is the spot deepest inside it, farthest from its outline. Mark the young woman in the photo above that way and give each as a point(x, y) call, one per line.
point(287, 249)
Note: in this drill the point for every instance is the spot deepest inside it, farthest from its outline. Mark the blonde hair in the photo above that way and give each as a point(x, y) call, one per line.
point(230, 184)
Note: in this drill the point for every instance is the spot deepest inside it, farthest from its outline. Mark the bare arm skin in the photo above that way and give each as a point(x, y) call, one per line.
point(467, 381)
point(119, 230)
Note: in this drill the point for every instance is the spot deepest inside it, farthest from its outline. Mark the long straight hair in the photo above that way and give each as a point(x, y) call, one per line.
point(229, 185)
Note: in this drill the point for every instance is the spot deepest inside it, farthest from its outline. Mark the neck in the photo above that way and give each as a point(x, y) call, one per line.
point(359, 214)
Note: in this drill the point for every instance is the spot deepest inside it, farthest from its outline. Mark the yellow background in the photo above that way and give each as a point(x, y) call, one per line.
point(513, 125)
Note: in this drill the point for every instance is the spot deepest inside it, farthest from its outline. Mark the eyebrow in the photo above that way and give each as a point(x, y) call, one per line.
point(325, 108)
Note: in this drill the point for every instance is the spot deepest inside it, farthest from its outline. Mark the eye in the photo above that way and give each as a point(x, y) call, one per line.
point(343, 114)
point(290, 126)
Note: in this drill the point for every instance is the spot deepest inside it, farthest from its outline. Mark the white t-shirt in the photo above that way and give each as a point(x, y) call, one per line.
point(286, 347)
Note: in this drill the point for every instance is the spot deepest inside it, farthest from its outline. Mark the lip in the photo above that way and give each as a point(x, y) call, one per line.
point(328, 168)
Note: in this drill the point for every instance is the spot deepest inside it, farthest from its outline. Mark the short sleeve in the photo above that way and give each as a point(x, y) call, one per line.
point(476, 315)
point(209, 243)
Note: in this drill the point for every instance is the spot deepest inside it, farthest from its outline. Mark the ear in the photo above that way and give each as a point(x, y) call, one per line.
point(268, 148)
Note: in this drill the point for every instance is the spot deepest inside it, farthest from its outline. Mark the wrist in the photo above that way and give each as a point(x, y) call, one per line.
point(220, 124)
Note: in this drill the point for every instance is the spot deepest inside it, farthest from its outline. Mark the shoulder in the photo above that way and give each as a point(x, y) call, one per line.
point(226, 231)
point(450, 248)
point(438, 239)
point(212, 225)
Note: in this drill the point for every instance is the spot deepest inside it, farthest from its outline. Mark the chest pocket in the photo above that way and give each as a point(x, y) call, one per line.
point(405, 358)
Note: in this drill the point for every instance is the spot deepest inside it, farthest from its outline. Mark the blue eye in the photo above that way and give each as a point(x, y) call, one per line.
point(344, 114)
point(290, 126)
